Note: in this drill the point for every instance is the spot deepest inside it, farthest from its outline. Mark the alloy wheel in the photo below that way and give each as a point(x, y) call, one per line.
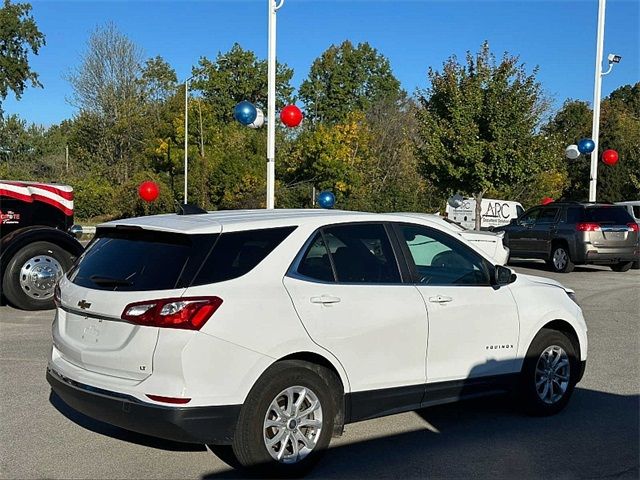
point(552, 374)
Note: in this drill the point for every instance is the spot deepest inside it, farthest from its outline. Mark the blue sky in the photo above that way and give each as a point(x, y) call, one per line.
point(558, 36)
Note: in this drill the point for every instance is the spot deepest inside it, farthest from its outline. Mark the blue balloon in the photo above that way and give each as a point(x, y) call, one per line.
point(326, 199)
point(245, 112)
point(586, 145)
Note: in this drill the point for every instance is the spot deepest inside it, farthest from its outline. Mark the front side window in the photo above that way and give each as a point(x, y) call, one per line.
point(442, 260)
point(530, 217)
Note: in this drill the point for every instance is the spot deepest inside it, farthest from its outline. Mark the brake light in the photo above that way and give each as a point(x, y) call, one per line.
point(633, 226)
point(56, 295)
point(588, 227)
point(188, 313)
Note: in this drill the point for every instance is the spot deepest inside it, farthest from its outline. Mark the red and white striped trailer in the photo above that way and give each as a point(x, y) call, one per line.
point(36, 246)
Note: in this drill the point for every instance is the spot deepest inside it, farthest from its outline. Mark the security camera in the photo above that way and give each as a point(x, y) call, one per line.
point(613, 58)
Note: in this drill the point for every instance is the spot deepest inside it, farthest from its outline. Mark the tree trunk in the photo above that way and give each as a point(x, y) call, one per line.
point(478, 198)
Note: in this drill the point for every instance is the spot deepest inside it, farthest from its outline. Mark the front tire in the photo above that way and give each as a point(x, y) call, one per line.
point(560, 260)
point(32, 273)
point(286, 422)
point(549, 373)
point(622, 266)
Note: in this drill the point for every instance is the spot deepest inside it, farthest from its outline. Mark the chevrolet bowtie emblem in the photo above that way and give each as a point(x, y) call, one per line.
point(83, 304)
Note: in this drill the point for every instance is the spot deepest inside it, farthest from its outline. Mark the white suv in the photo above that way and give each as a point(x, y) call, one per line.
point(262, 333)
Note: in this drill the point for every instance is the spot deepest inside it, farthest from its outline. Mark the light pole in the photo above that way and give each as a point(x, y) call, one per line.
point(186, 133)
point(597, 93)
point(271, 103)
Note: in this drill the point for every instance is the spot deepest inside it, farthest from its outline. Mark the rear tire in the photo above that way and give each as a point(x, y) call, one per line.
point(274, 414)
point(549, 374)
point(622, 266)
point(560, 260)
point(32, 273)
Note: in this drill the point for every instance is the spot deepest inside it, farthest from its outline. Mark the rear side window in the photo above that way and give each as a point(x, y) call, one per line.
point(139, 260)
point(607, 215)
point(236, 253)
point(548, 215)
point(359, 253)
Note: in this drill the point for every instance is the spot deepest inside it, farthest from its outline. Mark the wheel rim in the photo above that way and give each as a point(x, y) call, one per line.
point(560, 258)
point(552, 374)
point(38, 276)
point(293, 424)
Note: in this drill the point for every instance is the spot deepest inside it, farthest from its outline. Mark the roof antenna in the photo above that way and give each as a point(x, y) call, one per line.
point(189, 209)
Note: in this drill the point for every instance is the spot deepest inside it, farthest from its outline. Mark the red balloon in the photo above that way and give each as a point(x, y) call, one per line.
point(148, 191)
point(546, 200)
point(291, 116)
point(610, 157)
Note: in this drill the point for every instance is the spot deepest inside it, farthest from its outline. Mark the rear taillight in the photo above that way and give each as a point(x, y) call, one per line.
point(56, 295)
point(633, 226)
point(189, 313)
point(588, 227)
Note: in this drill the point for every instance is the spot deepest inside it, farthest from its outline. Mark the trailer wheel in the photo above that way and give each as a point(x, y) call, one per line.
point(32, 274)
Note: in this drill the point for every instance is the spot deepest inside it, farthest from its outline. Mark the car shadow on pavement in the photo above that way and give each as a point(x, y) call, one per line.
point(119, 433)
point(542, 266)
point(490, 438)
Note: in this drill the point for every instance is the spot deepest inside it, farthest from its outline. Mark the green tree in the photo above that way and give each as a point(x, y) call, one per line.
point(239, 75)
point(479, 126)
point(19, 35)
point(346, 79)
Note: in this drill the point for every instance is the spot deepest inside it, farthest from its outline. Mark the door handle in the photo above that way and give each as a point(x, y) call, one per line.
point(325, 299)
point(440, 299)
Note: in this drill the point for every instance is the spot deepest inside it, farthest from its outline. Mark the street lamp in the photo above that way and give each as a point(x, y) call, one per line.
point(186, 133)
point(271, 103)
point(597, 93)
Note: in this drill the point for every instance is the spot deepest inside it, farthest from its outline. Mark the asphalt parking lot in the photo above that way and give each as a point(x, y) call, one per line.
point(597, 436)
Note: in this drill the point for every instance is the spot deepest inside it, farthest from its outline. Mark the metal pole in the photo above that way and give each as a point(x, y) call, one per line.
point(271, 104)
point(186, 135)
point(597, 92)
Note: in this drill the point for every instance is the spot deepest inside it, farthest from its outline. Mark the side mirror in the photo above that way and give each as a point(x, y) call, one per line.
point(503, 276)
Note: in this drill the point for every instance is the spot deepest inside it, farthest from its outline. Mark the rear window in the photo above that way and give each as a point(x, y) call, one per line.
point(609, 215)
point(141, 260)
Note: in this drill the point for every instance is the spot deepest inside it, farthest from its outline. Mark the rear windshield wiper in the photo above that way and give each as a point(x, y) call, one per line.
point(110, 282)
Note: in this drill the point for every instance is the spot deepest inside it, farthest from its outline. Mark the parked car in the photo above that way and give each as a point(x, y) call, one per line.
point(633, 207)
point(36, 241)
point(262, 333)
point(490, 243)
point(566, 234)
point(495, 213)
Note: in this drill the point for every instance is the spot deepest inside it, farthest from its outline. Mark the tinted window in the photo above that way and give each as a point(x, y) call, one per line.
point(316, 263)
point(362, 254)
point(574, 214)
point(236, 253)
point(548, 215)
point(611, 215)
point(519, 210)
point(136, 259)
point(441, 260)
point(530, 216)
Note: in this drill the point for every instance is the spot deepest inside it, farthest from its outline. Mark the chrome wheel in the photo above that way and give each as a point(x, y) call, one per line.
point(552, 374)
point(560, 258)
point(38, 276)
point(293, 424)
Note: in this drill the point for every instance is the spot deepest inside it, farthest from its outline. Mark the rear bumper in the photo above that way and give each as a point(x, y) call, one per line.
point(215, 425)
point(598, 255)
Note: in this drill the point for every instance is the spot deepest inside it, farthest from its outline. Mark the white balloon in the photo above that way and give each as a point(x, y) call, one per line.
point(572, 152)
point(259, 121)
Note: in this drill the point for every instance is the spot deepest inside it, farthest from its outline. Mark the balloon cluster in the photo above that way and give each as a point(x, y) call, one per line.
point(586, 146)
point(248, 115)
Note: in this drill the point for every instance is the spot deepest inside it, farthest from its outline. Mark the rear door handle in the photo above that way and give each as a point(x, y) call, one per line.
point(440, 299)
point(325, 299)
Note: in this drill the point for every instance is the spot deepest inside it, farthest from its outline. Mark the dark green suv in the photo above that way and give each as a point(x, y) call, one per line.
point(569, 233)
